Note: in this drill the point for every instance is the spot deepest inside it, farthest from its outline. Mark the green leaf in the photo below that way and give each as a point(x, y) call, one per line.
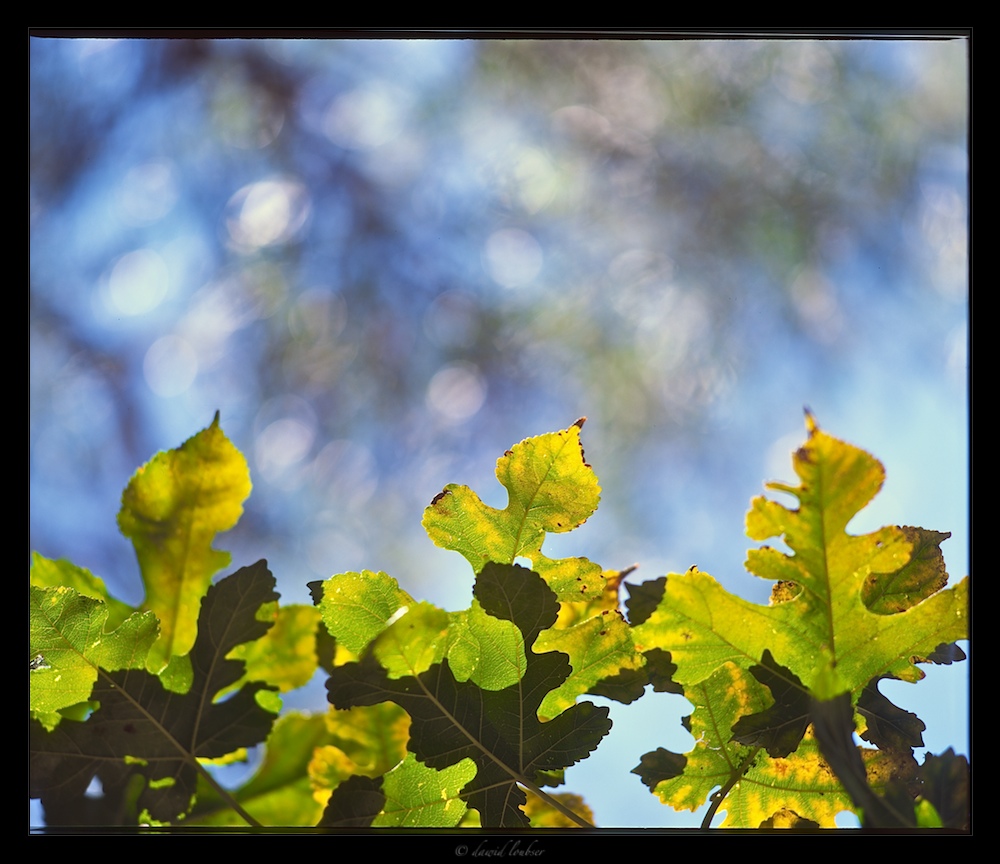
point(418, 796)
point(68, 644)
point(845, 611)
point(826, 625)
point(46, 573)
point(280, 793)
point(550, 489)
point(285, 656)
point(171, 510)
point(356, 607)
point(754, 787)
point(499, 730)
point(602, 655)
point(142, 727)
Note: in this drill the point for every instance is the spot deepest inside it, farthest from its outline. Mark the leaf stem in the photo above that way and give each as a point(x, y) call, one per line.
point(721, 794)
point(515, 775)
point(225, 795)
point(185, 753)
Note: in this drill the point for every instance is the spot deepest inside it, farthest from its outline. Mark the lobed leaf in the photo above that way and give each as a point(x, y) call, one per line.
point(550, 489)
point(824, 624)
point(172, 509)
point(755, 788)
point(140, 727)
point(68, 644)
point(845, 612)
point(499, 730)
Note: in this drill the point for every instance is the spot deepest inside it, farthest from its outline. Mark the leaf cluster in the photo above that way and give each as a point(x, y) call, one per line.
point(473, 717)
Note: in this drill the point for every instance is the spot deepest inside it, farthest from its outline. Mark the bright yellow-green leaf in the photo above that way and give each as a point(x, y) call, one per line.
point(366, 740)
point(357, 607)
point(927, 816)
point(486, 650)
point(418, 796)
point(285, 656)
point(845, 610)
point(171, 510)
point(280, 792)
point(825, 623)
point(599, 647)
point(414, 642)
point(756, 786)
point(46, 573)
point(550, 489)
point(68, 643)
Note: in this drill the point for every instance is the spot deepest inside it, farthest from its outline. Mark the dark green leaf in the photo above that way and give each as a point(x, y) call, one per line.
point(354, 803)
point(780, 728)
point(160, 733)
point(889, 727)
point(660, 765)
point(946, 786)
point(499, 730)
point(643, 599)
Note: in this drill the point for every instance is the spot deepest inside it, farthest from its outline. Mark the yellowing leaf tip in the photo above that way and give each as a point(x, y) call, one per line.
point(579, 423)
point(811, 425)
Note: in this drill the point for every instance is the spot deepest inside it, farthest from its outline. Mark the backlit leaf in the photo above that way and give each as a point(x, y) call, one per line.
point(140, 727)
point(285, 656)
point(172, 509)
point(68, 644)
point(550, 489)
point(418, 796)
point(846, 610)
point(499, 730)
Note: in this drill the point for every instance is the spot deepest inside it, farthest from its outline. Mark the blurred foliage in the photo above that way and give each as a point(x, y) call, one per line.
point(378, 257)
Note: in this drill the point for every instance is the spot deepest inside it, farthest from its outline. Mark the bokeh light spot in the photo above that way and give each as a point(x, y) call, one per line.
point(266, 213)
point(170, 366)
point(137, 284)
point(513, 257)
point(366, 118)
point(456, 392)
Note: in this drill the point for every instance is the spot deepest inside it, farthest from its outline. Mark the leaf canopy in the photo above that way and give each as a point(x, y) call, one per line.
point(498, 730)
point(845, 611)
point(140, 727)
